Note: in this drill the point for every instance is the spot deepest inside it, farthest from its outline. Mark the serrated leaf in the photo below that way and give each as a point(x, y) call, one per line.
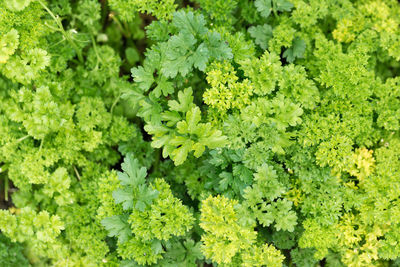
point(164, 87)
point(283, 5)
point(156, 129)
point(180, 153)
point(266, 219)
point(198, 149)
point(150, 110)
point(179, 49)
point(243, 173)
point(185, 99)
point(133, 174)
point(261, 34)
point(171, 117)
point(193, 250)
point(213, 139)
point(193, 117)
point(145, 197)
point(156, 247)
point(124, 196)
point(217, 48)
point(296, 51)
point(140, 205)
point(159, 142)
point(118, 226)
point(286, 221)
point(200, 57)
point(143, 77)
point(189, 23)
point(226, 180)
point(264, 7)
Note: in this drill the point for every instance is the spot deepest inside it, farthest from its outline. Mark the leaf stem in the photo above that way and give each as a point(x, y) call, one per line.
point(6, 188)
point(22, 138)
point(115, 103)
point(64, 33)
point(157, 160)
point(119, 24)
point(95, 51)
point(77, 174)
point(274, 9)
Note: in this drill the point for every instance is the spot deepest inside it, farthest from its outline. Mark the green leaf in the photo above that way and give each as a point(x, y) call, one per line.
point(266, 219)
point(124, 196)
point(296, 51)
point(171, 117)
point(193, 117)
point(133, 174)
point(134, 191)
point(132, 55)
point(150, 110)
point(226, 180)
point(189, 23)
point(118, 226)
point(180, 154)
point(200, 57)
point(129, 263)
point(262, 34)
point(156, 247)
point(17, 5)
point(193, 250)
point(264, 7)
point(217, 48)
point(159, 142)
point(9, 43)
point(143, 77)
point(163, 87)
point(192, 47)
point(185, 99)
point(179, 55)
point(210, 137)
point(285, 219)
point(283, 5)
point(145, 197)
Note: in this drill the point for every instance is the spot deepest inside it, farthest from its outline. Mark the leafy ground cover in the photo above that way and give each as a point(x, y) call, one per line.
point(200, 133)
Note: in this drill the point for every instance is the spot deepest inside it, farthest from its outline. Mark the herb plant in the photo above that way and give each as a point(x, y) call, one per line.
point(200, 133)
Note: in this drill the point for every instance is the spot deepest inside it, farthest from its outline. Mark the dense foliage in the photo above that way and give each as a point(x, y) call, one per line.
point(200, 133)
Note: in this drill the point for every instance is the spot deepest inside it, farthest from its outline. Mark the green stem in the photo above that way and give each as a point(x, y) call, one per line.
point(64, 33)
point(95, 51)
point(115, 103)
point(127, 31)
point(41, 144)
point(77, 174)
point(274, 9)
point(157, 160)
point(120, 26)
point(6, 188)
point(22, 138)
